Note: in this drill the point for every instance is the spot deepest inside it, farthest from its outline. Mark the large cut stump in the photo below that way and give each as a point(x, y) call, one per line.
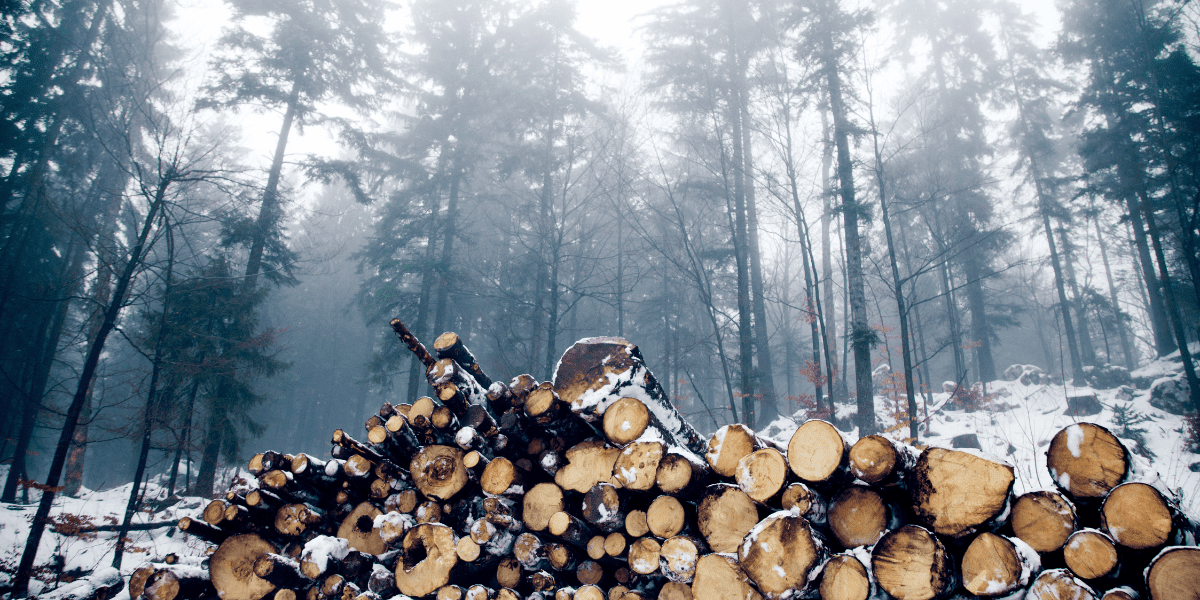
point(1087, 461)
point(1043, 519)
point(910, 563)
point(954, 492)
point(429, 553)
point(721, 578)
point(780, 553)
point(232, 568)
point(1174, 574)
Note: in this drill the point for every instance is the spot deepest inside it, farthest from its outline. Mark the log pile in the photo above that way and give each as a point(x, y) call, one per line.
point(593, 487)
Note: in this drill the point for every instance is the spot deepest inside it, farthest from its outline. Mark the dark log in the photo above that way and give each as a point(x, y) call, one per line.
point(449, 345)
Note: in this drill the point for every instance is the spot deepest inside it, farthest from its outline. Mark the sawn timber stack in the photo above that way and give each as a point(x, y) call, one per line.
point(593, 487)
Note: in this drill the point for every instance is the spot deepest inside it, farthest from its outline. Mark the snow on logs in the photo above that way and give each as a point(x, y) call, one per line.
point(593, 487)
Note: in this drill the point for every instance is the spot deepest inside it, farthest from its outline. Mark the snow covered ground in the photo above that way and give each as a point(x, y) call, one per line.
point(1016, 423)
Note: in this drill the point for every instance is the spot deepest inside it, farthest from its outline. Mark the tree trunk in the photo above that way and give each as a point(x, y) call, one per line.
point(1126, 348)
point(980, 329)
point(862, 336)
point(762, 341)
point(1189, 368)
point(184, 435)
point(1087, 351)
point(830, 313)
point(25, 569)
point(270, 201)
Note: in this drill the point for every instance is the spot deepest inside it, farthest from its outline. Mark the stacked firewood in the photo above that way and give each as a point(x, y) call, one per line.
point(593, 487)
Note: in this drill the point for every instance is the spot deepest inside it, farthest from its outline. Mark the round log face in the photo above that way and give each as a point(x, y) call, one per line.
point(498, 476)
point(815, 451)
point(438, 471)
point(1043, 519)
point(666, 516)
point(429, 552)
point(637, 465)
point(589, 592)
point(724, 516)
point(674, 473)
point(798, 496)
point(679, 559)
point(232, 568)
point(589, 462)
point(858, 516)
point(1090, 554)
point(911, 564)
point(954, 492)
point(1175, 574)
point(845, 578)
point(1136, 516)
point(872, 458)
point(626, 421)
point(727, 447)
point(720, 578)
point(644, 554)
point(672, 590)
point(358, 528)
point(1086, 460)
point(762, 473)
point(542, 501)
point(779, 553)
point(990, 566)
point(1059, 584)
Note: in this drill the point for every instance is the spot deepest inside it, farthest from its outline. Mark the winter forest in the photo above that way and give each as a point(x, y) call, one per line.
point(791, 207)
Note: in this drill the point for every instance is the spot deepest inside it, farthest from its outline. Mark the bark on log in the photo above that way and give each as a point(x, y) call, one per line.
point(232, 568)
point(570, 529)
point(1174, 574)
point(1087, 461)
point(202, 530)
point(596, 372)
point(910, 563)
point(282, 571)
point(602, 508)
point(780, 553)
point(1090, 554)
point(449, 345)
point(1043, 519)
point(412, 342)
point(808, 503)
point(955, 492)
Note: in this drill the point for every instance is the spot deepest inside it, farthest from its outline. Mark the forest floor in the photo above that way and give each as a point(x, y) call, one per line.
point(1014, 422)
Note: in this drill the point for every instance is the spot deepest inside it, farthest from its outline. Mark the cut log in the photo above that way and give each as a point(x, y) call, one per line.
point(214, 512)
point(879, 461)
point(954, 492)
point(995, 566)
point(719, 577)
point(762, 474)
point(350, 445)
point(202, 530)
point(637, 465)
point(818, 454)
point(589, 573)
point(282, 571)
point(438, 471)
point(429, 511)
point(636, 524)
point(168, 583)
point(1043, 519)
point(542, 581)
point(666, 517)
point(450, 592)
point(595, 547)
point(780, 553)
point(561, 556)
point(643, 555)
point(1174, 574)
point(449, 345)
point(232, 568)
point(589, 591)
point(596, 372)
point(625, 421)
point(480, 592)
point(1059, 584)
point(570, 529)
point(530, 552)
point(1126, 593)
point(910, 563)
point(542, 501)
point(502, 477)
point(589, 462)
point(724, 515)
point(674, 590)
point(1136, 516)
point(808, 503)
point(1086, 461)
point(508, 573)
point(859, 516)
point(295, 519)
point(615, 544)
point(728, 446)
point(602, 508)
point(682, 475)
point(844, 577)
point(429, 553)
point(359, 529)
point(1090, 554)
point(679, 555)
